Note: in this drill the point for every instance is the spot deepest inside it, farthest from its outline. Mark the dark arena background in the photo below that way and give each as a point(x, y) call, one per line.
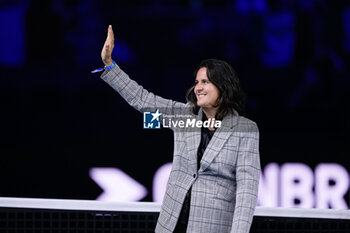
point(65, 134)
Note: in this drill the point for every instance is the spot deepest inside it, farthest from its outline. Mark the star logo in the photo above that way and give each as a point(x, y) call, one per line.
point(156, 115)
point(151, 120)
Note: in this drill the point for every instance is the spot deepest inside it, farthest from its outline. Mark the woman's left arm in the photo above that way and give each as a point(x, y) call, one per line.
point(247, 178)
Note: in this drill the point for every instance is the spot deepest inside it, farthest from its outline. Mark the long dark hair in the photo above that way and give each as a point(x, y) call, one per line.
point(224, 77)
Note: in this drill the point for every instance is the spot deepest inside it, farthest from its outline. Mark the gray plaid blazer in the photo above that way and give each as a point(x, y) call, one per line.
point(225, 188)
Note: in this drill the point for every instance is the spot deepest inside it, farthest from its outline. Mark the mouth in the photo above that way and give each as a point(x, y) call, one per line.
point(200, 95)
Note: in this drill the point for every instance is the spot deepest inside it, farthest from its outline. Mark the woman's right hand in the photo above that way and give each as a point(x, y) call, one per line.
point(106, 53)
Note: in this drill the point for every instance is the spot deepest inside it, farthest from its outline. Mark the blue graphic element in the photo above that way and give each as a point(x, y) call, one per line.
point(279, 40)
point(346, 23)
point(12, 39)
point(151, 120)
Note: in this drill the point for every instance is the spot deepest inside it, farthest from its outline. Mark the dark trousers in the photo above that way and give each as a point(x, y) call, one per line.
point(182, 222)
point(180, 227)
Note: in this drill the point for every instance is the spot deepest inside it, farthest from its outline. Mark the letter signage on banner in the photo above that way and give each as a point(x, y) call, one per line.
point(286, 185)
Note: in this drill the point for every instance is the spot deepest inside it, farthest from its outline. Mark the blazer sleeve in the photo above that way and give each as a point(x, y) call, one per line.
point(247, 179)
point(136, 96)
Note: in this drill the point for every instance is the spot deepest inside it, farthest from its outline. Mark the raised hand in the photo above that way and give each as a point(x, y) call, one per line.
point(106, 53)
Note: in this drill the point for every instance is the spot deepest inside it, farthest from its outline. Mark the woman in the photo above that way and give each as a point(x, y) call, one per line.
point(213, 184)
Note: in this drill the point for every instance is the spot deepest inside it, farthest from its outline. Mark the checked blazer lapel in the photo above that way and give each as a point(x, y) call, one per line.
point(194, 137)
point(219, 138)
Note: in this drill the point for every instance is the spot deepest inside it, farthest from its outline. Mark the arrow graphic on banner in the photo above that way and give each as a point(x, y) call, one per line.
point(116, 185)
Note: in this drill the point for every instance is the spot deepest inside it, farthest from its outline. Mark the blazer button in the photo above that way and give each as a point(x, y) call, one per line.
point(194, 175)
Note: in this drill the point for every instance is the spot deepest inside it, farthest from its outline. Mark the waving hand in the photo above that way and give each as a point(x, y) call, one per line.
point(106, 53)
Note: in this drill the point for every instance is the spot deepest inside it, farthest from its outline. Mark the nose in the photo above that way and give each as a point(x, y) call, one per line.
point(198, 88)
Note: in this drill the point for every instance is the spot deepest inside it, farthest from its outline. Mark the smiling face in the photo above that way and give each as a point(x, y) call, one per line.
point(206, 92)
